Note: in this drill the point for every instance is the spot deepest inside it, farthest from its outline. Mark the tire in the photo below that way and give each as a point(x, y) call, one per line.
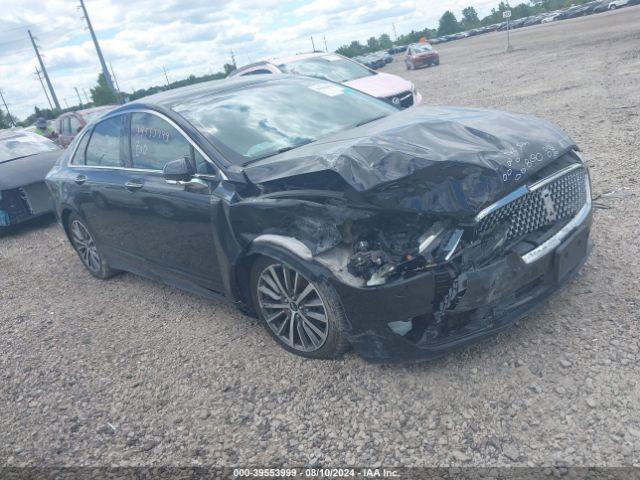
point(83, 243)
point(305, 317)
point(437, 62)
point(410, 66)
point(612, 7)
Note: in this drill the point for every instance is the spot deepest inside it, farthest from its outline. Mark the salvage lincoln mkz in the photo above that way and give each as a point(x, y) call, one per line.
point(338, 219)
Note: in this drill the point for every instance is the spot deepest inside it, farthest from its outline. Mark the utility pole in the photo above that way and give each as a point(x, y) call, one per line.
point(78, 93)
point(394, 31)
point(43, 88)
point(233, 59)
point(115, 79)
point(325, 43)
point(313, 46)
point(44, 72)
point(165, 75)
point(105, 71)
point(9, 116)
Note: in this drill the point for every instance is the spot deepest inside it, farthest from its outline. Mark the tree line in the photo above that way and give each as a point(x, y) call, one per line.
point(449, 24)
point(101, 95)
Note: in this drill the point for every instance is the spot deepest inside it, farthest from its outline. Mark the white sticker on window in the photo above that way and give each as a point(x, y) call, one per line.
point(328, 89)
point(332, 58)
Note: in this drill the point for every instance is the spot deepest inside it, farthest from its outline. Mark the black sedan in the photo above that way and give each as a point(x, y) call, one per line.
point(25, 159)
point(336, 218)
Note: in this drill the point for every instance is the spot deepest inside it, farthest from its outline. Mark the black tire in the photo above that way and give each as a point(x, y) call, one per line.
point(87, 250)
point(437, 62)
point(335, 344)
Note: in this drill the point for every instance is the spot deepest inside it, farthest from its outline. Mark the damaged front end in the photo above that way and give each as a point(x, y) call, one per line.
point(427, 251)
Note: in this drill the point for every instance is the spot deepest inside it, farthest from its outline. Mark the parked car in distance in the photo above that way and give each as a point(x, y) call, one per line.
point(69, 124)
point(338, 219)
point(618, 4)
point(420, 55)
point(339, 69)
point(25, 159)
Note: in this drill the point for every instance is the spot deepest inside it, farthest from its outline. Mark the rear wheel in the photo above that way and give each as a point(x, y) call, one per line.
point(410, 66)
point(84, 244)
point(304, 317)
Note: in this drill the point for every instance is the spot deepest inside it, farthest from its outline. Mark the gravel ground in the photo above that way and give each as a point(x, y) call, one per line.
point(131, 372)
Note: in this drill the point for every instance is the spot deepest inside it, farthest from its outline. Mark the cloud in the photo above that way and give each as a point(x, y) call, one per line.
point(183, 36)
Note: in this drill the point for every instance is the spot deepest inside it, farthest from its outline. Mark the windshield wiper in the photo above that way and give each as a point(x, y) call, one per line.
point(280, 150)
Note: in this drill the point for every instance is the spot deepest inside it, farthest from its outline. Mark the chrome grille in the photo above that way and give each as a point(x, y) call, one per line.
point(545, 204)
point(401, 100)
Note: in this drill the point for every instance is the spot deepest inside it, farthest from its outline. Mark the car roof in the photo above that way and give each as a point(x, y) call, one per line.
point(88, 111)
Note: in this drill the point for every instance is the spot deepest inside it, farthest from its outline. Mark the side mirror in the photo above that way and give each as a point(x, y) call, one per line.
point(178, 170)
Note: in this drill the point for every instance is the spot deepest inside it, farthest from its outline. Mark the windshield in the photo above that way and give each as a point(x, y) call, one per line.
point(17, 144)
point(422, 48)
point(271, 117)
point(329, 67)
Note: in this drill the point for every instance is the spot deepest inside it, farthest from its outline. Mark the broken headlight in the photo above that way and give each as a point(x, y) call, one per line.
point(381, 254)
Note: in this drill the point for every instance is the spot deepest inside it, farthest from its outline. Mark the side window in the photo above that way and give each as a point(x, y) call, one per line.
point(202, 166)
point(74, 125)
point(105, 143)
point(154, 142)
point(78, 158)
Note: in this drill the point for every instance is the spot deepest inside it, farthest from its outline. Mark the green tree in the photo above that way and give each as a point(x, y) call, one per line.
point(5, 121)
point(373, 44)
point(448, 24)
point(470, 18)
point(385, 42)
point(101, 94)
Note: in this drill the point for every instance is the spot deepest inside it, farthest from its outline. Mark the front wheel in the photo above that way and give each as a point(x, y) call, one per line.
point(305, 317)
point(612, 7)
point(84, 244)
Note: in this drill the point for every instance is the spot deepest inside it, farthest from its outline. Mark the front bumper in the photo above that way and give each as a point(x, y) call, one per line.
point(492, 298)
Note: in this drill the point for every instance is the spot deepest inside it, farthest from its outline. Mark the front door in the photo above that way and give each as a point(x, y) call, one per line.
point(171, 226)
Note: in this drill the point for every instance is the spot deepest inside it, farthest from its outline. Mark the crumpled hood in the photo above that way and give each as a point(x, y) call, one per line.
point(440, 160)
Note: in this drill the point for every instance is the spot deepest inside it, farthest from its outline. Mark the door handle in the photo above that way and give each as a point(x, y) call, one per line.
point(80, 179)
point(133, 185)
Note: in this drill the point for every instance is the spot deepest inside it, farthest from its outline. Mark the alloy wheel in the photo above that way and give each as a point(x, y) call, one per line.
point(85, 246)
point(292, 307)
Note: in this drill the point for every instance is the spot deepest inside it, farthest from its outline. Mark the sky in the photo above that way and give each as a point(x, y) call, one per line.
point(140, 37)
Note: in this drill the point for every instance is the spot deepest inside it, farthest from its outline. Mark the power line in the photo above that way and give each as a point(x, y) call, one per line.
point(115, 79)
point(43, 88)
point(78, 93)
point(44, 71)
point(105, 71)
point(9, 116)
point(165, 75)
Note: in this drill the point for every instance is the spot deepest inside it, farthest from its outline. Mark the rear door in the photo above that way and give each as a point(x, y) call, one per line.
point(99, 182)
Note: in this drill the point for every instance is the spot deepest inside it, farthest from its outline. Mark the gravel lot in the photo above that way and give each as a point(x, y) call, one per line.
point(131, 372)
